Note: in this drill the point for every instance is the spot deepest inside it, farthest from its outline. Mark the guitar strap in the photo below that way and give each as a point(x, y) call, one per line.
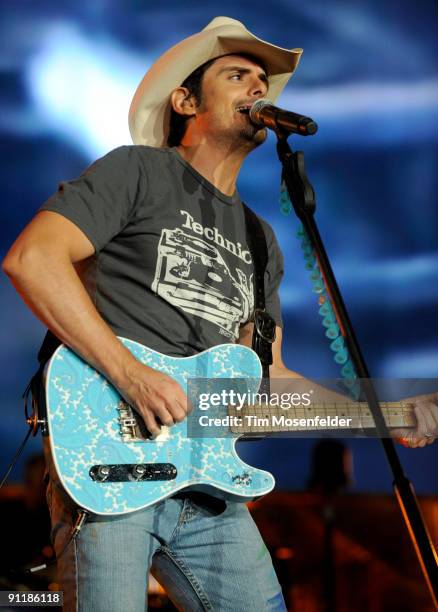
point(48, 347)
point(264, 325)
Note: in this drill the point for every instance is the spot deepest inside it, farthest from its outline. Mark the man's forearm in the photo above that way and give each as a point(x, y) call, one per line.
point(298, 381)
point(51, 287)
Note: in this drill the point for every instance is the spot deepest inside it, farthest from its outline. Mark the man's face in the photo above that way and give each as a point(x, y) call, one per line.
point(229, 84)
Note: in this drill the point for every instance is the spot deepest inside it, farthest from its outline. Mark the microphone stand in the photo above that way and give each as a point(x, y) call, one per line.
point(302, 197)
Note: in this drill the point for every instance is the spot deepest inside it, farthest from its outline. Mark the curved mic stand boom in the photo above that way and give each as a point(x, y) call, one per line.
point(302, 197)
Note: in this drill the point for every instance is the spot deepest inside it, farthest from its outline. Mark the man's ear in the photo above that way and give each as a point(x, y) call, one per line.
point(183, 102)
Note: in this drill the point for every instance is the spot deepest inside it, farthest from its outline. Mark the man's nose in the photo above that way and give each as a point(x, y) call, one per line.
point(258, 87)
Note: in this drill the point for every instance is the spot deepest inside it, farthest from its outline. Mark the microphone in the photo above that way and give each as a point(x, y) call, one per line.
point(263, 112)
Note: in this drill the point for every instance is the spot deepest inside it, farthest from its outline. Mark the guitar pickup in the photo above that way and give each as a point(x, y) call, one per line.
point(133, 472)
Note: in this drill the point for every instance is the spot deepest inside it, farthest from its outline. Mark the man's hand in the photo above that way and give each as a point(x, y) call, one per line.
point(157, 397)
point(426, 412)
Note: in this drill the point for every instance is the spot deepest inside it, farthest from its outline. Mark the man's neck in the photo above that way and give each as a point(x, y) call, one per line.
point(217, 164)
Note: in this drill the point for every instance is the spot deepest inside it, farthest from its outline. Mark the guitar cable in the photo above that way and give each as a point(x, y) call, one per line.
point(33, 422)
point(26, 571)
point(15, 459)
point(82, 517)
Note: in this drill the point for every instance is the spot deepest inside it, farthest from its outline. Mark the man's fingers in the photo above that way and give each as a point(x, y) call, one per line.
point(426, 430)
point(161, 402)
point(151, 424)
point(406, 438)
point(430, 412)
point(180, 406)
point(164, 415)
point(178, 413)
point(427, 423)
point(421, 420)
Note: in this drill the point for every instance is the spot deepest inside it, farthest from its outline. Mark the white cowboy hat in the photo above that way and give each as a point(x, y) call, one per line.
point(149, 113)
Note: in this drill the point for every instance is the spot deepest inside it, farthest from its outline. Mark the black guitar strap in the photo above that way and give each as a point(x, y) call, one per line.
point(264, 324)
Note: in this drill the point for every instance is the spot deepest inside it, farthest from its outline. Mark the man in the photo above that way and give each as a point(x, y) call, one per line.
point(159, 236)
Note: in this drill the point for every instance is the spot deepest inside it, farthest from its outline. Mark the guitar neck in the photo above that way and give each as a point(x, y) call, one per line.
point(264, 418)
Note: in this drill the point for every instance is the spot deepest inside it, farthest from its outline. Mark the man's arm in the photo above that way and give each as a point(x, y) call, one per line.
point(40, 264)
point(425, 407)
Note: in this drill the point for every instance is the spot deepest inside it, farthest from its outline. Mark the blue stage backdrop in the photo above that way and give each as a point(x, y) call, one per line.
point(368, 76)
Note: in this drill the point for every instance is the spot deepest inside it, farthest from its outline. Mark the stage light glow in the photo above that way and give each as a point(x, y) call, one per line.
point(366, 113)
point(82, 89)
point(365, 98)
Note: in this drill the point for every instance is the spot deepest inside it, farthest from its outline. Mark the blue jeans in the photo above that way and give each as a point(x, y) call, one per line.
point(208, 554)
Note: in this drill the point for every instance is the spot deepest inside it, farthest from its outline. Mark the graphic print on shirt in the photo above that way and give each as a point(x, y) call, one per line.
point(192, 275)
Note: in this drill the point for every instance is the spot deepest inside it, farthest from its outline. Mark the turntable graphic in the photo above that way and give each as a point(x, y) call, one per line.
point(192, 275)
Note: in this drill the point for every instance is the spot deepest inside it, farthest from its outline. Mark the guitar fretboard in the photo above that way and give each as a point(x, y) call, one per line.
point(264, 418)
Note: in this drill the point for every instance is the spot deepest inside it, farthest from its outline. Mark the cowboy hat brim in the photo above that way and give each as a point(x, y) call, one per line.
point(149, 113)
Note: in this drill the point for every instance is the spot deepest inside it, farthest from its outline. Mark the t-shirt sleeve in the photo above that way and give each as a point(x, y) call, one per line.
point(101, 200)
point(273, 274)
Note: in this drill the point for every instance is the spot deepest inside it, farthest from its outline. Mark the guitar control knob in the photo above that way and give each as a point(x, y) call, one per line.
point(101, 473)
point(138, 471)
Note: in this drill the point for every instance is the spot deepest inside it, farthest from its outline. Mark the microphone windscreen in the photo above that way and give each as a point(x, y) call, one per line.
point(257, 107)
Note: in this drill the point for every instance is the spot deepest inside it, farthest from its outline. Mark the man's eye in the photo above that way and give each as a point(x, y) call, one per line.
point(233, 76)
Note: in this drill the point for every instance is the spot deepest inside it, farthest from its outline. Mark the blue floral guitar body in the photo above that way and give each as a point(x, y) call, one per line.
point(103, 461)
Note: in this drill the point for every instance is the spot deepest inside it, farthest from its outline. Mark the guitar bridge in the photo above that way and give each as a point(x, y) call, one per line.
point(131, 425)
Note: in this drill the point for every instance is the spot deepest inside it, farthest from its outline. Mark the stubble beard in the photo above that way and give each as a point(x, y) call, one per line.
point(247, 137)
point(254, 135)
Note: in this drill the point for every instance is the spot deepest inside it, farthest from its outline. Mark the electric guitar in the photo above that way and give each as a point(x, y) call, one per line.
point(109, 465)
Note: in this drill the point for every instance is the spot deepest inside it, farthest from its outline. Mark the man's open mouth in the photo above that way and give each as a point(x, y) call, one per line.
point(244, 109)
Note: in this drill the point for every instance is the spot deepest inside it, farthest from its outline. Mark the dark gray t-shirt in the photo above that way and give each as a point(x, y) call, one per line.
point(172, 269)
